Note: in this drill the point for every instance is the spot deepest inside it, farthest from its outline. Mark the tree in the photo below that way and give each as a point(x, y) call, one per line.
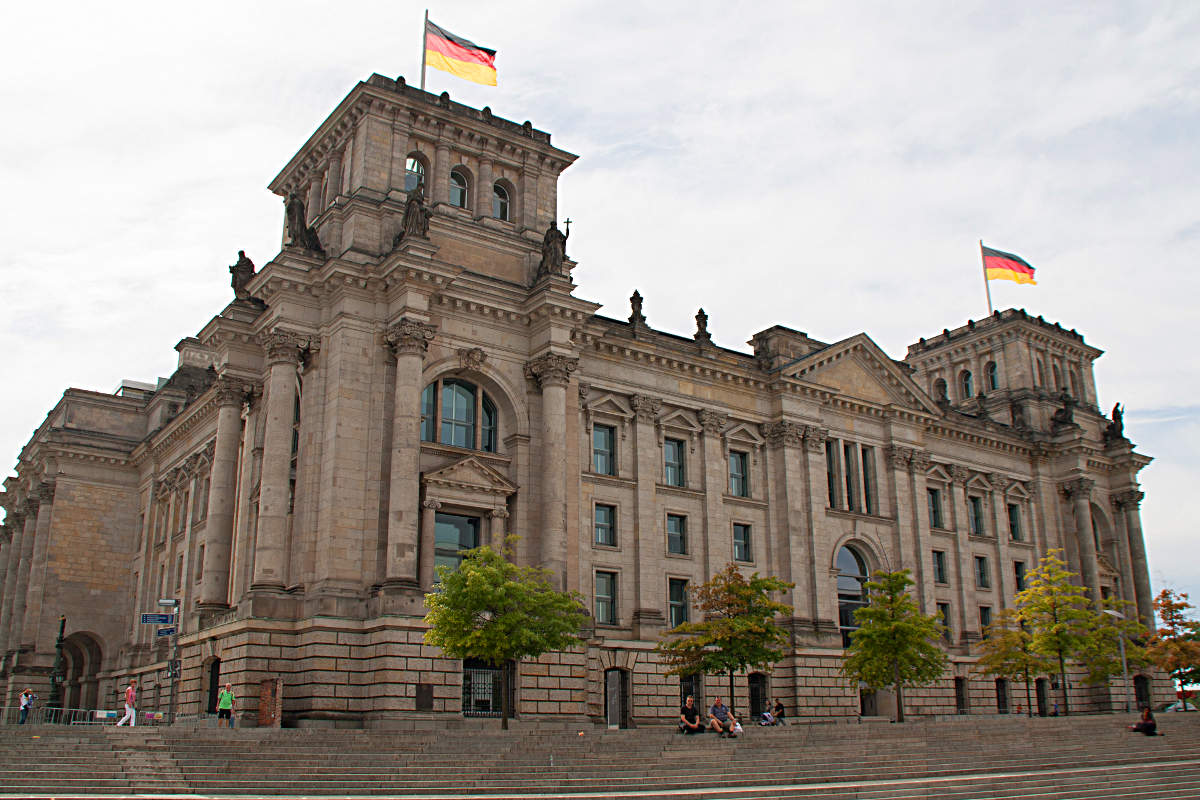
point(1101, 651)
point(738, 630)
point(895, 644)
point(496, 611)
point(1058, 614)
point(1008, 652)
point(1175, 646)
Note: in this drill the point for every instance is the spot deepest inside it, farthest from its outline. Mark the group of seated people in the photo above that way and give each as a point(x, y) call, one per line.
point(721, 720)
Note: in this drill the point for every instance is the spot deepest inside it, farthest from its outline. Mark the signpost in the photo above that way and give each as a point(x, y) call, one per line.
point(157, 619)
point(171, 619)
point(165, 631)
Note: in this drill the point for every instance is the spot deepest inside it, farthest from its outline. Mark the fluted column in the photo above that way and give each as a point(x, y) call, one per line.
point(499, 518)
point(16, 525)
point(647, 530)
point(823, 534)
point(218, 540)
point(16, 625)
point(968, 623)
point(918, 465)
point(553, 372)
point(429, 511)
point(1129, 502)
point(333, 183)
point(1000, 484)
point(270, 557)
point(408, 339)
point(441, 175)
point(37, 567)
point(1079, 492)
point(483, 191)
point(716, 485)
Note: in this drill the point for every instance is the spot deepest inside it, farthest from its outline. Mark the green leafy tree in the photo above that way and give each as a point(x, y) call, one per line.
point(1058, 614)
point(1007, 652)
point(738, 630)
point(497, 612)
point(1101, 651)
point(895, 644)
point(1175, 646)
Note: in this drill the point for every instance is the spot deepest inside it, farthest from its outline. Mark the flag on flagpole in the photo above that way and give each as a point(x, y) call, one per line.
point(1002, 266)
point(458, 56)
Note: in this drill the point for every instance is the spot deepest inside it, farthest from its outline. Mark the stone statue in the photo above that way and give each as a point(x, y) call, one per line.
point(1020, 419)
point(416, 215)
point(298, 231)
point(554, 250)
point(635, 302)
point(702, 335)
point(1066, 414)
point(242, 272)
point(1115, 430)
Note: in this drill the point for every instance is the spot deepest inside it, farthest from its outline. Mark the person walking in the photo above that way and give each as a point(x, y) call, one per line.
point(27, 698)
point(225, 702)
point(130, 704)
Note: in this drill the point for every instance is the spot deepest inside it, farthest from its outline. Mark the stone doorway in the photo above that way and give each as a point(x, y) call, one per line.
point(616, 698)
point(214, 686)
point(1043, 697)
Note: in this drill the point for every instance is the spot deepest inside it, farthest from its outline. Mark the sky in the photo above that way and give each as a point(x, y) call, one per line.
point(828, 166)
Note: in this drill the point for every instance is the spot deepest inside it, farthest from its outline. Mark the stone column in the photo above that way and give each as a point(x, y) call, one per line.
point(218, 540)
point(918, 465)
point(315, 198)
point(1129, 502)
point(439, 192)
point(1079, 492)
point(37, 567)
point(408, 339)
point(499, 518)
point(16, 525)
point(823, 594)
point(648, 616)
point(553, 373)
point(270, 559)
point(716, 485)
point(789, 503)
point(483, 191)
point(962, 545)
point(428, 533)
point(333, 181)
point(1000, 484)
point(16, 623)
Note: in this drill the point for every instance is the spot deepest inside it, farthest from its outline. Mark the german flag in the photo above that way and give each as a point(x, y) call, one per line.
point(1006, 267)
point(456, 55)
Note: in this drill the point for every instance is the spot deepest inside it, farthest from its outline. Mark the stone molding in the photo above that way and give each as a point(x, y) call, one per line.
point(584, 388)
point(431, 504)
point(920, 461)
point(499, 513)
point(31, 505)
point(472, 358)
point(281, 346)
point(551, 369)
point(1000, 482)
point(645, 407)
point(899, 457)
point(712, 422)
point(784, 433)
point(959, 474)
point(1128, 499)
point(409, 337)
point(1079, 487)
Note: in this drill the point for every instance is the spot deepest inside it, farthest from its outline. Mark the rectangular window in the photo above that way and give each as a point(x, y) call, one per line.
point(739, 474)
point(606, 525)
point(939, 566)
point(604, 443)
point(850, 467)
point(983, 573)
point(1019, 572)
point(677, 609)
point(677, 534)
point(179, 575)
point(741, 542)
point(868, 476)
point(199, 563)
point(831, 471)
point(452, 534)
point(943, 610)
point(985, 619)
point(1014, 522)
point(606, 598)
point(674, 454)
point(975, 507)
point(935, 509)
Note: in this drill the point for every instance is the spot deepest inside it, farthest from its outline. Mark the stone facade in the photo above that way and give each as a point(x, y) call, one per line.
point(396, 384)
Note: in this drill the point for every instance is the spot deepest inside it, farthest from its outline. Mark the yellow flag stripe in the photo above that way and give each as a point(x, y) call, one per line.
point(478, 73)
point(995, 274)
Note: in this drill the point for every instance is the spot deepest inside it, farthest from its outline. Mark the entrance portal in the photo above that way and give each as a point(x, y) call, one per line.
point(1043, 697)
point(214, 685)
point(758, 694)
point(616, 698)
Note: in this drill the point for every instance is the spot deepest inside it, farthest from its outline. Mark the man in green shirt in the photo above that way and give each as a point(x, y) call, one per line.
point(225, 706)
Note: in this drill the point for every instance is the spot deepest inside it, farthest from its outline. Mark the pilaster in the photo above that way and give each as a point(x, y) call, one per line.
point(218, 544)
point(1079, 492)
point(648, 533)
point(1130, 502)
point(37, 568)
point(552, 372)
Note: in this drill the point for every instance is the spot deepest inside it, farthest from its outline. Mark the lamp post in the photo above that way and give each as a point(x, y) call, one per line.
point(1124, 665)
point(58, 672)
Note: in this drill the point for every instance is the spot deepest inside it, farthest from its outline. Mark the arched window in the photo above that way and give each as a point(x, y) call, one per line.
point(458, 189)
point(966, 384)
point(852, 574)
point(940, 392)
point(500, 203)
point(414, 173)
point(993, 376)
point(460, 414)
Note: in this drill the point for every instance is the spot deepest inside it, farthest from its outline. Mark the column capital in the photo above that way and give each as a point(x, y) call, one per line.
point(31, 505)
point(409, 336)
point(959, 474)
point(899, 457)
point(1000, 482)
point(431, 504)
point(713, 422)
point(1129, 499)
point(281, 346)
point(45, 493)
point(645, 407)
point(551, 369)
point(783, 433)
point(231, 391)
point(15, 521)
point(498, 513)
point(815, 438)
point(920, 461)
point(1077, 488)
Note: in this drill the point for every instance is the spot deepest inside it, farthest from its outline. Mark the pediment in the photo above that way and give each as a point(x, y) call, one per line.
point(858, 368)
point(744, 432)
point(609, 403)
point(470, 474)
point(937, 473)
point(979, 482)
point(679, 418)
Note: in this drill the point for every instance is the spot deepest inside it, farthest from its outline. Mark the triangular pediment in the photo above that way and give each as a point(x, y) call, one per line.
point(744, 432)
point(609, 403)
point(858, 368)
point(937, 473)
point(470, 474)
point(679, 418)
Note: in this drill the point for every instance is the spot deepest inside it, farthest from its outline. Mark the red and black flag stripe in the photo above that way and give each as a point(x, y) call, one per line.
point(458, 56)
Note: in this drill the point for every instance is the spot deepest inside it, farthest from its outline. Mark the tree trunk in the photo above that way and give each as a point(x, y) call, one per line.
point(1062, 680)
point(1028, 701)
point(731, 691)
point(505, 709)
point(899, 689)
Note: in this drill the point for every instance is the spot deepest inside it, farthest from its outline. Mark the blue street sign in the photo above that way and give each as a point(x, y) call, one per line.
point(157, 619)
point(164, 632)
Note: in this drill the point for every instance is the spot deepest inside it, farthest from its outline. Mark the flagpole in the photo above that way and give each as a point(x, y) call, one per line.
point(983, 265)
point(424, 31)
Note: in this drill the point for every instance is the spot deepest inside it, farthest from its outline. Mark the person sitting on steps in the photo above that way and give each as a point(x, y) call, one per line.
point(721, 719)
point(689, 717)
point(1146, 725)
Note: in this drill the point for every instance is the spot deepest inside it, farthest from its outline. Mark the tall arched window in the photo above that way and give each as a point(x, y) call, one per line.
point(460, 414)
point(993, 376)
point(966, 384)
point(414, 173)
point(500, 203)
point(852, 574)
point(458, 188)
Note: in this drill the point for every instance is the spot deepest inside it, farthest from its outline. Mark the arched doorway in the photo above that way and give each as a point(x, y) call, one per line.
point(214, 685)
point(692, 685)
point(852, 574)
point(758, 694)
point(84, 656)
point(616, 698)
point(1141, 691)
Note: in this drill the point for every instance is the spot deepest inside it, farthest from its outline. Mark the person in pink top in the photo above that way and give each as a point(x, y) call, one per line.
point(130, 704)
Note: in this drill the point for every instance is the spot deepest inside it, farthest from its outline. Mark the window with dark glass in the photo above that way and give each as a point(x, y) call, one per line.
point(1014, 522)
point(458, 189)
point(943, 610)
point(983, 573)
point(677, 603)
point(500, 203)
point(741, 542)
point(966, 384)
point(604, 443)
point(1058, 384)
point(674, 454)
point(606, 598)
point(993, 376)
point(677, 534)
point(850, 467)
point(1019, 574)
point(935, 509)
point(458, 413)
point(852, 574)
point(414, 173)
point(606, 525)
point(985, 619)
point(975, 506)
point(739, 474)
point(1041, 373)
point(867, 455)
point(939, 567)
point(832, 471)
point(452, 534)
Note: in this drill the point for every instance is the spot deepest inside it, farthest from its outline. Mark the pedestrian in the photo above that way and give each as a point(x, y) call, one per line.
point(27, 698)
point(225, 701)
point(130, 704)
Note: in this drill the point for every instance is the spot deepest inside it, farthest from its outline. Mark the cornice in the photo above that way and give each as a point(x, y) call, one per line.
point(203, 411)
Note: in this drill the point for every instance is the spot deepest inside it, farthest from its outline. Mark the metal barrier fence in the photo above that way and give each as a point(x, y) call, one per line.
point(44, 715)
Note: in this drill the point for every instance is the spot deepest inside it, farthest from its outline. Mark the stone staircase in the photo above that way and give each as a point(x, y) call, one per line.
point(952, 759)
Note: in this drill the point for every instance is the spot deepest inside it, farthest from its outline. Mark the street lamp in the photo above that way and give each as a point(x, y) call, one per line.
point(58, 672)
point(1124, 665)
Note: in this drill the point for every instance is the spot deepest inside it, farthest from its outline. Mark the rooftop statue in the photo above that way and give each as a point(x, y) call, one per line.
point(242, 272)
point(554, 250)
point(298, 231)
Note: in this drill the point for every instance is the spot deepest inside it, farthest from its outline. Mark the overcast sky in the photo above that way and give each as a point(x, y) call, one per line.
point(825, 166)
